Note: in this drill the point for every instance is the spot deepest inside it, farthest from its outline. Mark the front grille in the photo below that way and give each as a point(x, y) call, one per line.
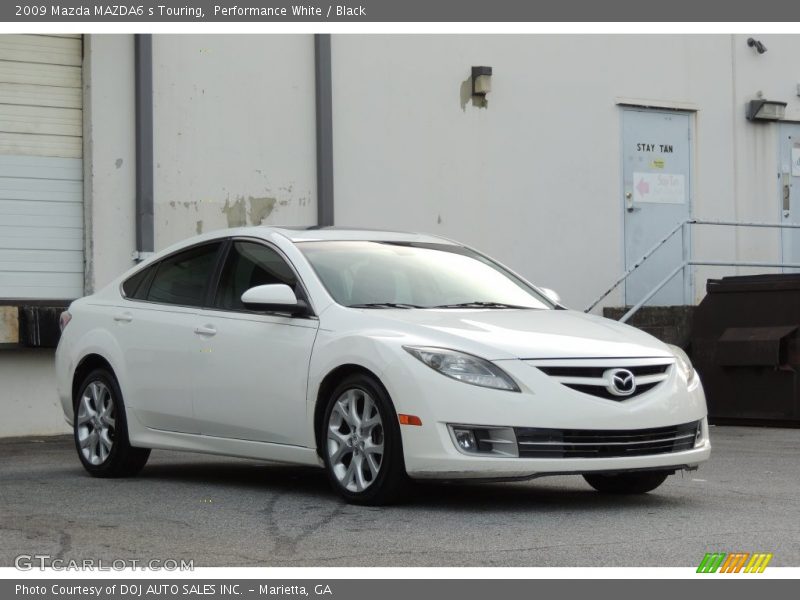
point(597, 380)
point(599, 443)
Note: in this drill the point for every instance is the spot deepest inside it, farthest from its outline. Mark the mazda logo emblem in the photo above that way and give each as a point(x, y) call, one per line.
point(621, 382)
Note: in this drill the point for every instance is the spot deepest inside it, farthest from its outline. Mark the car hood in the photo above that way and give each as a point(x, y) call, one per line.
point(525, 334)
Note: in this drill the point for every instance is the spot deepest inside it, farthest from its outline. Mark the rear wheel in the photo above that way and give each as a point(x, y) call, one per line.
point(627, 483)
point(101, 431)
point(361, 443)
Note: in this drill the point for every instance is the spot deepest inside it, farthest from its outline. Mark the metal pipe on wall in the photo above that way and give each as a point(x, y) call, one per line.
point(143, 73)
point(324, 114)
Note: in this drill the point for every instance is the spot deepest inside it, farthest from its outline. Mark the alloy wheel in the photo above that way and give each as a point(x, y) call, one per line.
point(96, 423)
point(355, 440)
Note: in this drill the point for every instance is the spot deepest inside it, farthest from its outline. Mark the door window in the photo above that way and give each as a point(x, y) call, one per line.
point(183, 278)
point(250, 264)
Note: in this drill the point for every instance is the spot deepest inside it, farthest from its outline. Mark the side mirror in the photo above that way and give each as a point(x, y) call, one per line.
point(551, 295)
point(275, 297)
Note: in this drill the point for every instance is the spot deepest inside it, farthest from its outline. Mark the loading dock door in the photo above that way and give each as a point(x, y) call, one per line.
point(41, 172)
point(656, 147)
point(789, 190)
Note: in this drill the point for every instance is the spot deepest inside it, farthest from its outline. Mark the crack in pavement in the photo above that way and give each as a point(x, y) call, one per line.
point(286, 544)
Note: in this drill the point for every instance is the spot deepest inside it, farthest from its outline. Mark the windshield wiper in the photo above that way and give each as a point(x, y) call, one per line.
point(479, 304)
point(383, 305)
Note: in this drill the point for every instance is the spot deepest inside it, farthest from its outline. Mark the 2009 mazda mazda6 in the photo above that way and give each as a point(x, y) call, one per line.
point(383, 357)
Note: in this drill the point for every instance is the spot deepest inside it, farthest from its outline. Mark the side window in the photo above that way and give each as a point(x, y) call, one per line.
point(136, 285)
point(250, 264)
point(182, 278)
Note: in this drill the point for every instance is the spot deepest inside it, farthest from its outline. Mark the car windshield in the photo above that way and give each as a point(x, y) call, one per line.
point(415, 275)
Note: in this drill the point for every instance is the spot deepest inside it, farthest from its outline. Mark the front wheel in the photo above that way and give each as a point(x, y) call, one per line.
point(100, 429)
point(627, 483)
point(361, 443)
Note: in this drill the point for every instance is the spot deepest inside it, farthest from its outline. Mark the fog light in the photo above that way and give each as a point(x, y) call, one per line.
point(466, 439)
point(699, 438)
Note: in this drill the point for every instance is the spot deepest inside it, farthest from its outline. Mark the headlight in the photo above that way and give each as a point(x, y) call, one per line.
point(463, 367)
point(684, 364)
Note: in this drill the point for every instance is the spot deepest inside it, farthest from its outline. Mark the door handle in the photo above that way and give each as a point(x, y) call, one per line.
point(124, 317)
point(629, 202)
point(205, 330)
point(787, 193)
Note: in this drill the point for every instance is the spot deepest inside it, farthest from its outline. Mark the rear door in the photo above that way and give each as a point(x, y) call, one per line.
point(253, 380)
point(156, 331)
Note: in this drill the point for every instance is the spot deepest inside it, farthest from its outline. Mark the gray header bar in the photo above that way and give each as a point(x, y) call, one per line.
point(370, 11)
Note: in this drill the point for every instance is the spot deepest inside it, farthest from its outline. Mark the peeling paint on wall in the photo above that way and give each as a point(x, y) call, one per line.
point(199, 228)
point(235, 212)
point(260, 209)
point(118, 163)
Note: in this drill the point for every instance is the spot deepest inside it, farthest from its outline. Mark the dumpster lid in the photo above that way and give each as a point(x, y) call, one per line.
point(752, 283)
point(752, 346)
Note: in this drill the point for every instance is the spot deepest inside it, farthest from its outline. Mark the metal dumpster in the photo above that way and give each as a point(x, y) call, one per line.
point(744, 343)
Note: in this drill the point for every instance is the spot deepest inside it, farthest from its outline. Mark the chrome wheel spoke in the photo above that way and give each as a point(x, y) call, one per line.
point(344, 411)
point(95, 396)
point(96, 458)
point(84, 413)
point(105, 441)
point(361, 483)
point(348, 481)
point(371, 447)
point(373, 465)
point(88, 440)
point(337, 445)
point(355, 418)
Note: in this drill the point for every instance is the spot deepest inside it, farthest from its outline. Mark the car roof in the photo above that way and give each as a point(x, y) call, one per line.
point(315, 234)
point(318, 234)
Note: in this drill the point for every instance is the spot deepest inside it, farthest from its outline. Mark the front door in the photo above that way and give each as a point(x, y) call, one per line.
point(253, 375)
point(656, 148)
point(789, 191)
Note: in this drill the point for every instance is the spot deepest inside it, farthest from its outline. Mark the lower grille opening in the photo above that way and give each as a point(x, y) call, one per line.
point(590, 443)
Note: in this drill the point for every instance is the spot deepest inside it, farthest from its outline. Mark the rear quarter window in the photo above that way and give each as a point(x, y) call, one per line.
point(136, 286)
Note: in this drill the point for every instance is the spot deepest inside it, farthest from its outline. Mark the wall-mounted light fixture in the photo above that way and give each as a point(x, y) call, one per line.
point(481, 81)
point(766, 110)
point(754, 43)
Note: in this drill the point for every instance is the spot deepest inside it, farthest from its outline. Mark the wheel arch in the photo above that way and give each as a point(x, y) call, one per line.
point(329, 382)
point(86, 365)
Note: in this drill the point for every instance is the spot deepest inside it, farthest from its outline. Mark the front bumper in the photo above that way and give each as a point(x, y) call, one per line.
point(431, 453)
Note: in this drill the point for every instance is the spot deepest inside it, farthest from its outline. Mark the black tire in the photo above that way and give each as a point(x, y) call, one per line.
point(122, 460)
point(627, 483)
point(391, 485)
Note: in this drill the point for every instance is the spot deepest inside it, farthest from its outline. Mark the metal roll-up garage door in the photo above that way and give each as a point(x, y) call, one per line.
point(41, 170)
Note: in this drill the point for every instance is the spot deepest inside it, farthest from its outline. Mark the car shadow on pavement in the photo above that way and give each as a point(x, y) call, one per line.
point(570, 494)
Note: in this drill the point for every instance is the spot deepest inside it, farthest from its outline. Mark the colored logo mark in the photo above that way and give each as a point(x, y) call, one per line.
point(736, 562)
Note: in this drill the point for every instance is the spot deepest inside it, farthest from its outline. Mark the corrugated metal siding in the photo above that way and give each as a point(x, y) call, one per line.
point(41, 170)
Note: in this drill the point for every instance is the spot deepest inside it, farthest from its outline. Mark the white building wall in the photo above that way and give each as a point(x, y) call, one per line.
point(534, 179)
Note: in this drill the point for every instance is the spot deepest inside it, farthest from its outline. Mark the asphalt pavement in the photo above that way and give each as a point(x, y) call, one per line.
point(229, 512)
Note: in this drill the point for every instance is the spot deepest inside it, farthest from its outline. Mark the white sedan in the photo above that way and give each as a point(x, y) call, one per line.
point(383, 357)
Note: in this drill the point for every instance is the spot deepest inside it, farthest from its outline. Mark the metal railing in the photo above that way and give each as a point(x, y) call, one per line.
point(687, 262)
